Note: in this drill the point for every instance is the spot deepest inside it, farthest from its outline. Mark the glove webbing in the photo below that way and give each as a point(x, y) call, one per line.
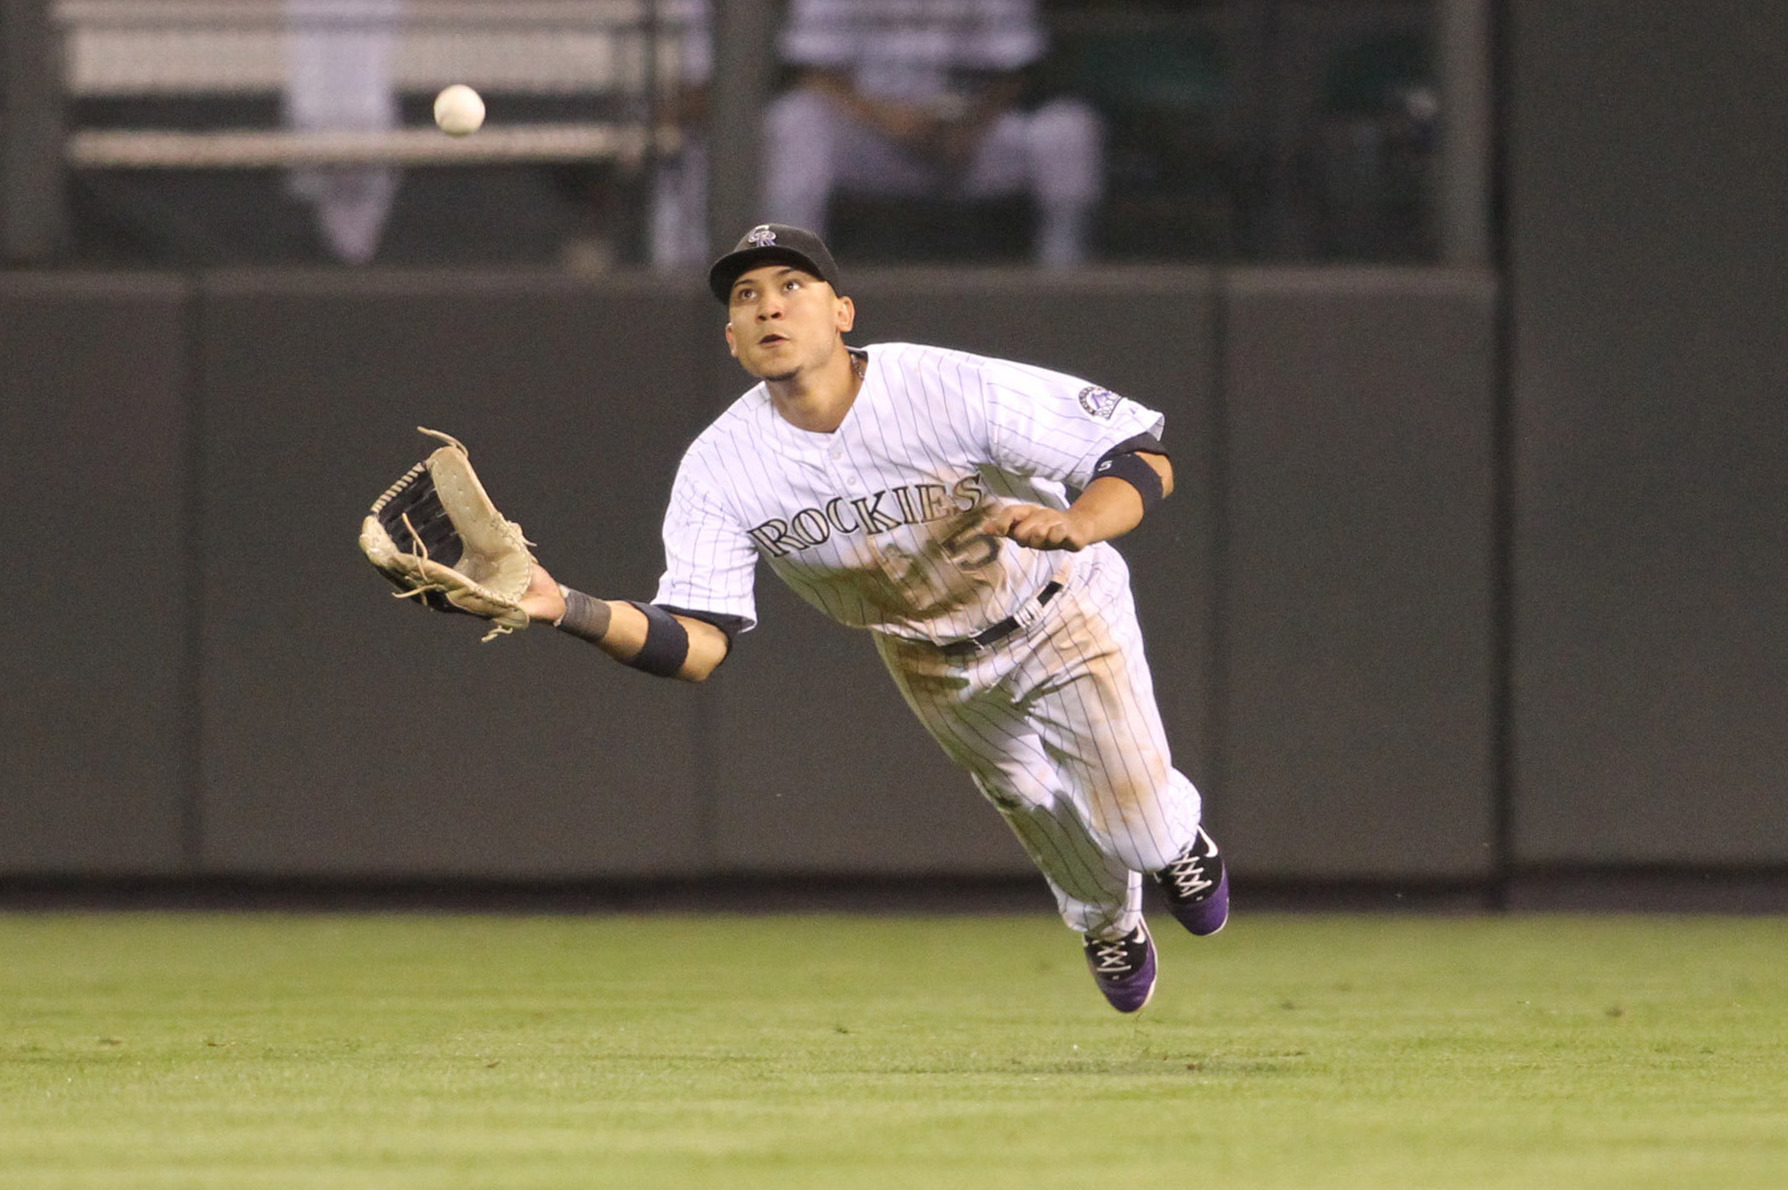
point(413, 505)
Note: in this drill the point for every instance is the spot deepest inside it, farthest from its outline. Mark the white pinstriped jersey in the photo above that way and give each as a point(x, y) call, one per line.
point(876, 523)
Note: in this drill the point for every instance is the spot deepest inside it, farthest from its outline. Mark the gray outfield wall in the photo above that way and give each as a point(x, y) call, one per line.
point(1317, 596)
point(1648, 266)
point(1321, 597)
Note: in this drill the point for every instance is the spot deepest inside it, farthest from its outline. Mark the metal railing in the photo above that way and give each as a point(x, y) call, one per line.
point(619, 54)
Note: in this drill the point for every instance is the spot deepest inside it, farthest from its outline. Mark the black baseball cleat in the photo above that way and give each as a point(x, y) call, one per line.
point(1197, 886)
point(1124, 968)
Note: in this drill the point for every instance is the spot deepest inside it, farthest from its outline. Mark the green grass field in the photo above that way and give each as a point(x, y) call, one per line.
point(830, 1051)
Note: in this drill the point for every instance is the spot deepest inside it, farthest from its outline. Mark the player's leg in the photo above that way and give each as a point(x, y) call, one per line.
point(1085, 881)
point(1057, 154)
point(813, 148)
point(985, 734)
point(679, 230)
point(1094, 893)
point(1096, 896)
point(1066, 140)
point(802, 130)
point(1090, 697)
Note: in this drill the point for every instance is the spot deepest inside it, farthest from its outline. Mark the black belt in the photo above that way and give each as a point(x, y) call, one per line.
point(987, 638)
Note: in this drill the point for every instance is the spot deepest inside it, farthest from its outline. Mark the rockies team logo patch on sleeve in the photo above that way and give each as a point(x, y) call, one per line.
point(1099, 402)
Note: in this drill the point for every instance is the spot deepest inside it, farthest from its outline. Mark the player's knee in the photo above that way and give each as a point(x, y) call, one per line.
point(1135, 827)
point(1066, 137)
point(798, 118)
point(1069, 122)
point(800, 139)
point(1013, 790)
point(1143, 851)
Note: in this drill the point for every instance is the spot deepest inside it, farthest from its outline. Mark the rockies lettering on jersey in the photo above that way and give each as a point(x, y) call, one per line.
point(917, 504)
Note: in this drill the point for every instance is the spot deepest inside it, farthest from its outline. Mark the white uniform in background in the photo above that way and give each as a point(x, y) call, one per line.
point(679, 217)
point(877, 524)
point(339, 79)
point(933, 54)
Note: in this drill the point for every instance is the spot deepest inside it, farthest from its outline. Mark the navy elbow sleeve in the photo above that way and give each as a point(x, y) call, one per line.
point(667, 643)
point(1135, 471)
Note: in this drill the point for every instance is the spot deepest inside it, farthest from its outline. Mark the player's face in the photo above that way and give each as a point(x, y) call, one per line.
point(782, 321)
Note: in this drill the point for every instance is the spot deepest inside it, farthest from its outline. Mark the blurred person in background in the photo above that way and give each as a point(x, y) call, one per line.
point(339, 79)
point(924, 98)
point(679, 218)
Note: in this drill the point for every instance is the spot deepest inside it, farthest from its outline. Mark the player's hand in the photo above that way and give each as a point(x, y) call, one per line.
point(958, 143)
point(1038, 528)
point(542, 600)
point(909, 125)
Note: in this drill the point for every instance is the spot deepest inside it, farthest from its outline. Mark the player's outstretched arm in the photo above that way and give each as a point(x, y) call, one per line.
point(1108, 507)
point(620, 629)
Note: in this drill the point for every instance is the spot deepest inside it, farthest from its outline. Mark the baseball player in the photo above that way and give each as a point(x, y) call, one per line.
point(923, 494)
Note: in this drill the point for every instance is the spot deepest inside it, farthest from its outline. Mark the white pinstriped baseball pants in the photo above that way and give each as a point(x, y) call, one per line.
point(1058, 726)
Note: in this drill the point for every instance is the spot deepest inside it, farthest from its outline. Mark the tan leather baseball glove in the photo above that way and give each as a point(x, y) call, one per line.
point(437, 536)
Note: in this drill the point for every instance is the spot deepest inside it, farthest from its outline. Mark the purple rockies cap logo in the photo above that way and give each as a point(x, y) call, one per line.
point(761, 236)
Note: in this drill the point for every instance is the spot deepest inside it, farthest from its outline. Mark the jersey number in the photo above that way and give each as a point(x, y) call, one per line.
point(966, 549)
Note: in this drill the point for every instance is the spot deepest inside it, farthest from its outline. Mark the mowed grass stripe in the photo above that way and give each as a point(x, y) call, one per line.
point(814, 1050)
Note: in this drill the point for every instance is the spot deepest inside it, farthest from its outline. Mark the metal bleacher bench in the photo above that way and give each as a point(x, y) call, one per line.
point(620, 54)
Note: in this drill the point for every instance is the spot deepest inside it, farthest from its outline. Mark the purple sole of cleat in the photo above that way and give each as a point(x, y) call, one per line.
point(1206, 917)
point(1132, 993)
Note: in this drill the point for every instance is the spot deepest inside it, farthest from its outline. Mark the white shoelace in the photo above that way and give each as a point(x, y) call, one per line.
point(1187, 879)
point(1109, 958)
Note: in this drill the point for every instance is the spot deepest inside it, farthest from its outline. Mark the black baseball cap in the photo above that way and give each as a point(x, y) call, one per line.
point(772, 243)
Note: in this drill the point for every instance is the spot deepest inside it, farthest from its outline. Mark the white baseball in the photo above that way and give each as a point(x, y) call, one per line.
point(459, 110)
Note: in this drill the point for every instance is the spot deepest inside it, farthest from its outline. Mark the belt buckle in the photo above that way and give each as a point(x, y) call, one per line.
point(1027, 615)
point(1034, 607)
